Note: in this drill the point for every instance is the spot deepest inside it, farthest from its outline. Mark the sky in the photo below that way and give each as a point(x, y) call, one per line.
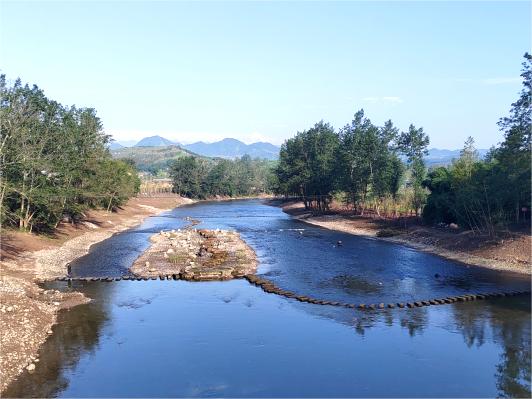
point(262, 71)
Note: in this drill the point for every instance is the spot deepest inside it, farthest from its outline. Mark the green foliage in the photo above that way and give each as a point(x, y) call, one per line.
point(307, 165)
point(202, 178)
point(369, 167)
point(487, 194)
point(413, 144)
point(360, 160)
point(54, 161)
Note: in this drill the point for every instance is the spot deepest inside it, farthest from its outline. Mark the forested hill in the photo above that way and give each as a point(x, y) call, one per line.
point(151, 159)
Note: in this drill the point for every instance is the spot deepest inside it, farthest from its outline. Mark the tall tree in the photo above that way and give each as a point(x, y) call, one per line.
point(413, 144)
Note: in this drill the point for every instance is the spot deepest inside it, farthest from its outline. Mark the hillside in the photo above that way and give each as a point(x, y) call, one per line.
point(232, 148)
point(151, 159)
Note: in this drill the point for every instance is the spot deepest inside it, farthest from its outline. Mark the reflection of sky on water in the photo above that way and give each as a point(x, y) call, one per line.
point(168, 338)
point(176, 338)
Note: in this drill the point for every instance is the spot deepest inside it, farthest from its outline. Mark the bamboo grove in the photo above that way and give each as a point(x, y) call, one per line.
point(54, 161)
point(382, 170)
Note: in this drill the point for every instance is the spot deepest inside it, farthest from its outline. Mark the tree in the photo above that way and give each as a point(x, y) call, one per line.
point(307, 165)
point(51, 157)
point(486, 195)
point(413, 144)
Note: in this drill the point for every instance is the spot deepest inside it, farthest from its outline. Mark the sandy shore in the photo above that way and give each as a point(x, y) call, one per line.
point(511, 254)
point(27, 312)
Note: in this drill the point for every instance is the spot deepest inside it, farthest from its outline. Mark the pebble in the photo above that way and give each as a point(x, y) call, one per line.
point(10, 308)
point(30, 367)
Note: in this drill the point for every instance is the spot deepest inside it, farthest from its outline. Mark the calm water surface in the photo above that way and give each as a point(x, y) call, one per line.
point(177, 338)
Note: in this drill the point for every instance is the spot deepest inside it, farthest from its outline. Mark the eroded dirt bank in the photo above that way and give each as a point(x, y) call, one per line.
point(513, 253)
point(27, 312)
point(192, 254)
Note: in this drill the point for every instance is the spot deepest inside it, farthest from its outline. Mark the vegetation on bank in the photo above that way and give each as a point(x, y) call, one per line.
point(203, 178)
point(483, 194)
point(54, 161)
point(361, 162)
point(380, 169)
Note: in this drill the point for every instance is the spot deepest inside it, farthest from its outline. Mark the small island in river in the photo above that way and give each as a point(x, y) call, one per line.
point(196, 254)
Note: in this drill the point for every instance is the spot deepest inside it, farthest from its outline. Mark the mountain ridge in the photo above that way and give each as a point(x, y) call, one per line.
point(231, 148)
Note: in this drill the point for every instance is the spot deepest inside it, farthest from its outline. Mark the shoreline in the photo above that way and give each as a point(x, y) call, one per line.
point(409, 239)
point(29, 312)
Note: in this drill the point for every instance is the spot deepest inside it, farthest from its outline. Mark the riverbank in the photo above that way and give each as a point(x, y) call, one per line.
point(27, 312)
point(512, 253)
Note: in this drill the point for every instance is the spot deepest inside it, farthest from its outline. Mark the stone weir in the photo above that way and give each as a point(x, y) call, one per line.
point(200, 255)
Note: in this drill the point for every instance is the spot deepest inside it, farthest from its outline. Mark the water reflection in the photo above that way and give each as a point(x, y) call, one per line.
point(168, 338)
point(231, 339)
point(77, 334)
point(512, 333)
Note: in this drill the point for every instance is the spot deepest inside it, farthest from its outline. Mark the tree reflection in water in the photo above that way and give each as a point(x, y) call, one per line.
point(76, 334)
point(507, 322)
point(503, 323)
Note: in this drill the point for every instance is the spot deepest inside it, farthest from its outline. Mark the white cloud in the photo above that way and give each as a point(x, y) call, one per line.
point(385, 99)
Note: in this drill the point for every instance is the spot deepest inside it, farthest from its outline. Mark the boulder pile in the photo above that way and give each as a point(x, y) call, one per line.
point(196, 255)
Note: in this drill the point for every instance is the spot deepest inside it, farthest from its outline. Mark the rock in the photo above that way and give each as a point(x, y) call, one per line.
point(9, 308)
point(147, 264)
point(30, 367)
point(49, 332)
point(339, 243)
point(453, 226)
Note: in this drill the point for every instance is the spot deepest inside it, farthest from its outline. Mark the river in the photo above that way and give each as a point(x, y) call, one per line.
point(178, 338)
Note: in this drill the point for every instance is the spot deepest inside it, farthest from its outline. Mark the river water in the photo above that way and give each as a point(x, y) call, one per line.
point(178, 338)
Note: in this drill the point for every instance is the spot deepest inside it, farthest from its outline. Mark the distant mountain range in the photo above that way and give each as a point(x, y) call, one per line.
point(438, 157)
point(233, 148)
point(154, 141)
point(226, 148)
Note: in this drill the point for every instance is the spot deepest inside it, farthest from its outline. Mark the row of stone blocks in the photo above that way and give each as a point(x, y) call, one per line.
point(269, 287)
point(131, 277)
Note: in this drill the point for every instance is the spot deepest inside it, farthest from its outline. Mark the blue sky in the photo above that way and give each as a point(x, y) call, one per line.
point(264, 70)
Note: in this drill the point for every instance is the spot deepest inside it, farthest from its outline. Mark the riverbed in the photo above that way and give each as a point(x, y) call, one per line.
point(177, 338)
